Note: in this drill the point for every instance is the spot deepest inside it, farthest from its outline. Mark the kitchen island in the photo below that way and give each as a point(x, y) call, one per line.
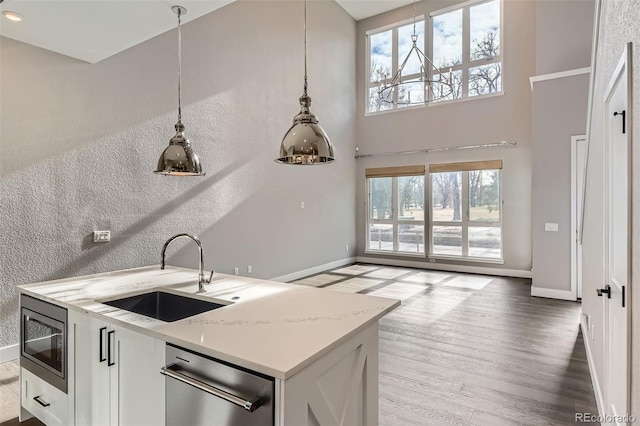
point(319, 346)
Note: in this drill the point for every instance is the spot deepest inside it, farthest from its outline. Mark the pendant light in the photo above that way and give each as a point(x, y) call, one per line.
point(438, 85)
point(179, 159)
point(305, 143)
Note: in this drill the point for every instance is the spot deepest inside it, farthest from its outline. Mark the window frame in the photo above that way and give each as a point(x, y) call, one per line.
point(465, 223)
point(395, 62)
point(467, 63)
point(394, 173)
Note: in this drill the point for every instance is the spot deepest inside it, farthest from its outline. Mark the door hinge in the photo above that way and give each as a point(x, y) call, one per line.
point(623, 296)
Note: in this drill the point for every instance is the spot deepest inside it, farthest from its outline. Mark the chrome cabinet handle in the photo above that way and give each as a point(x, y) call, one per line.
point(39, 401)
point(249, 405)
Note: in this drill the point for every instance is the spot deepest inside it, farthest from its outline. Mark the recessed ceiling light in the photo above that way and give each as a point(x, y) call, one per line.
point(12, 16)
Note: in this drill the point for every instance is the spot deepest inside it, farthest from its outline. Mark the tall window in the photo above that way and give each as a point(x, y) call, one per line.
point(387, 48)
point(465, 43)
point(395, 209)
point(466, 210)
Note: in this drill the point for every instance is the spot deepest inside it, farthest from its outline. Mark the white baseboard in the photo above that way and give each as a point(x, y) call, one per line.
point(9, 353)
point(551, 293)
point(316, 269)
point(447, 267)
point(592, 370)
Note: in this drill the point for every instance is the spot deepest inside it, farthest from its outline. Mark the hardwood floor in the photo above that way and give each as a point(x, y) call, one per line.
point(471, 349)
point(461, 350)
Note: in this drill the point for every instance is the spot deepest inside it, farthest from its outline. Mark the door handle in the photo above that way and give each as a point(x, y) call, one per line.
point(101, 337)
point(606, 290)
point(109, 362)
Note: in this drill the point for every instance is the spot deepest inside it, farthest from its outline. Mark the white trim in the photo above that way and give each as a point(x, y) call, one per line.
point(592, 84)
point(574, 206)
point(315, 270)
point(464, 99)
point(592, 370)
point(457, 6)
point(561, 74)
point(489, 260)
point(517, 273)
point(9, 353)
point(552, 293)
point(395, 25)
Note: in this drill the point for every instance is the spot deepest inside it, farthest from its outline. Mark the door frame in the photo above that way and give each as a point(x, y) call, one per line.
point(624, 65)
point(576, 244)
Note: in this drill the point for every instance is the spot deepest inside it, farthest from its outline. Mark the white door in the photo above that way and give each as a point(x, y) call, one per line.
point(578, 160)
point(617, 144)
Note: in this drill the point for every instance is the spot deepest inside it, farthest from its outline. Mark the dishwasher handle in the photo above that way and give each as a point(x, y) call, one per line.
point(250, 405)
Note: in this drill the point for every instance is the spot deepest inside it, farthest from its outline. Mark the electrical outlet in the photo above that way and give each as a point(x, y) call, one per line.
point(302, 204)
point(432, 261)
point(101, 236)
point(249, 269)
point(236, 271)
point(346, 248)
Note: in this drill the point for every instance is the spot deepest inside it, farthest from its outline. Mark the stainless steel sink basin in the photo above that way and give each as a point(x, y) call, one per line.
point(164, 306)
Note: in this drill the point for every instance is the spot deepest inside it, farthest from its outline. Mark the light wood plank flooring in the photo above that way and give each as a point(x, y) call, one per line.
point(461, 350)
point(472, 350)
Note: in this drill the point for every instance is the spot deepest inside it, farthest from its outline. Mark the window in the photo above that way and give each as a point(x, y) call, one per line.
point(466, 210)
point(395, 209)
point(387, 47)
point(466, 44)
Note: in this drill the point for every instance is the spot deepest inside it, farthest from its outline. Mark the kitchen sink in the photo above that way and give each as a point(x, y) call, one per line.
point(164, 306)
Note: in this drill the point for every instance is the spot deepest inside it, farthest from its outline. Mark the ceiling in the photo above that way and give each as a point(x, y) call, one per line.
point(85, 29)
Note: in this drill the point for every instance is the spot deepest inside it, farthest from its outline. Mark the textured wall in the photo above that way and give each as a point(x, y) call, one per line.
point(478, 121)
point(618, 25)
point(79, 142)
point(559, 112)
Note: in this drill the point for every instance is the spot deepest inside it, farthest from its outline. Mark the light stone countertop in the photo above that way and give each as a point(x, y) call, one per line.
point(274, 328)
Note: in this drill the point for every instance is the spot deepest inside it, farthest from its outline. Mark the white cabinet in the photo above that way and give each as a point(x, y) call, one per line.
point(116, 374)
point(42, 400)
point(340, 388)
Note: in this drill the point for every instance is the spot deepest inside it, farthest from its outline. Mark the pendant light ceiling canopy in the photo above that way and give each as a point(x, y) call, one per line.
point(178, 159)
point(305, 143)
point(436, 83)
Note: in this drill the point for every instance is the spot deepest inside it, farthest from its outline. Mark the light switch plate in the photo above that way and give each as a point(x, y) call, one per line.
point(551, 227)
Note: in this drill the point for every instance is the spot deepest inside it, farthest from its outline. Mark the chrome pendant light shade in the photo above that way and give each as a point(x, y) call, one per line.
point(178, 159)
point(305, 143)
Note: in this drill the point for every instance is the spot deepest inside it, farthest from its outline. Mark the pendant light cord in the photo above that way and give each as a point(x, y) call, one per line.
point(179, 65)
point(414, 17)
point(305, 47)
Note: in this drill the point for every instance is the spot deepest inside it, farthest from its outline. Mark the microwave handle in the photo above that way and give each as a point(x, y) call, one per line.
point(101, 337)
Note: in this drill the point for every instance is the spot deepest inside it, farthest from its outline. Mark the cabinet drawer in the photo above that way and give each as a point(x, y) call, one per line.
point(34, 389)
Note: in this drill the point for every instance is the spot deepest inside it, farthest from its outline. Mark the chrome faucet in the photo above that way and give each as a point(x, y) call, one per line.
point(201, 280)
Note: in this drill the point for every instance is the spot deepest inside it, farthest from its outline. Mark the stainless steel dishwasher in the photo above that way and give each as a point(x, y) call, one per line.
point(204, 391)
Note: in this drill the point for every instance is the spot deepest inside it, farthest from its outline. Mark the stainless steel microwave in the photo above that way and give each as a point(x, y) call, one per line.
point(43, 340)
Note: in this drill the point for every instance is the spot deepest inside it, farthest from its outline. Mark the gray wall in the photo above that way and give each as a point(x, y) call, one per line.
point(619, 25)
point(559, 112)
point(563, 42)
point(79, 142)
point(478, 121)
point(563, 35)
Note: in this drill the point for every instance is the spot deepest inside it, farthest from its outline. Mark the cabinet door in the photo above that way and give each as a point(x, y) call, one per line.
point(140, 386)
point(90, 370)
